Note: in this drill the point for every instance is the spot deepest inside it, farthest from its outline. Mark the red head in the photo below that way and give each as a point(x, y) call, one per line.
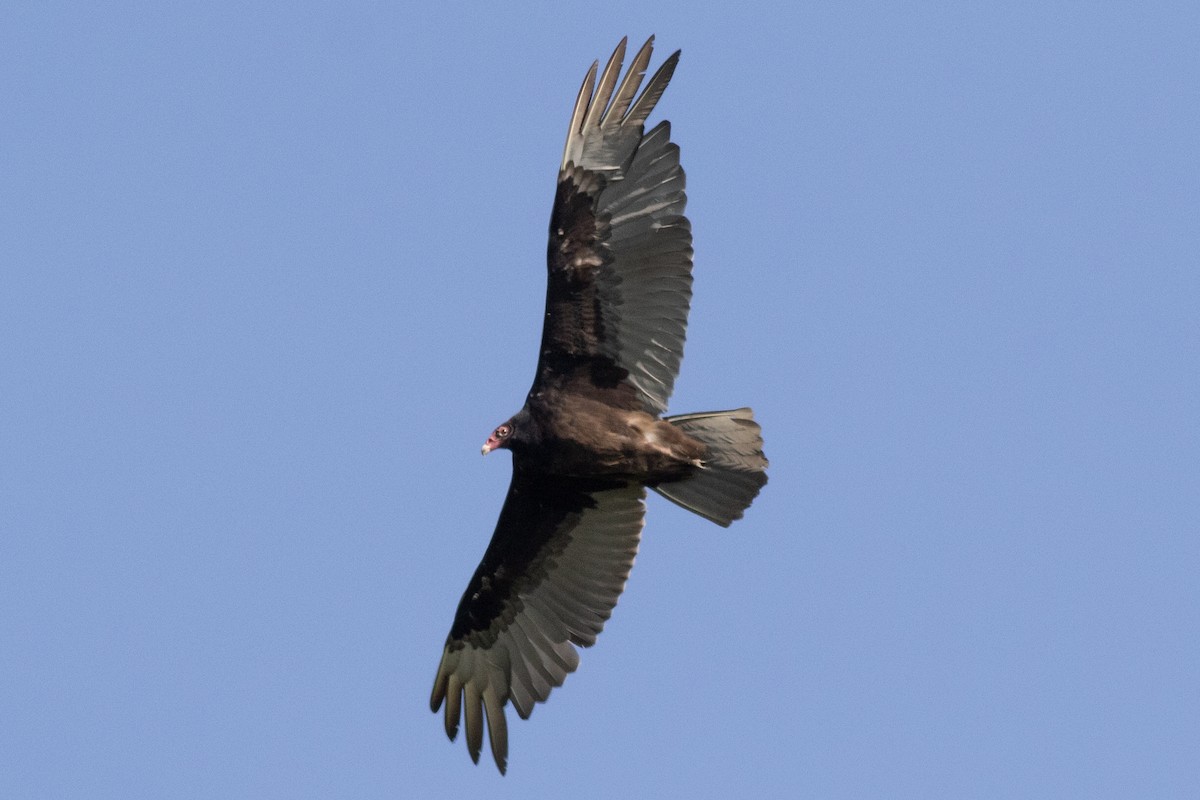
point(499, 438)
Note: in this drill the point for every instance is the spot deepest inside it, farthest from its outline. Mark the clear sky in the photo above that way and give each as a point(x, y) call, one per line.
point(269, 275)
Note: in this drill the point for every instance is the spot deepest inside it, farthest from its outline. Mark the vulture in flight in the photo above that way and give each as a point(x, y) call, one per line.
point(591, 437)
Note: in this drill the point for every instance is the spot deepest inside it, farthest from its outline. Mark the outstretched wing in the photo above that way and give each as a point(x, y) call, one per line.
point(549, 580)
point(620, 252)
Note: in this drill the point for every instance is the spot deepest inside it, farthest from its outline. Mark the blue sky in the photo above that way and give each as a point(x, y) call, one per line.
point(269, 275)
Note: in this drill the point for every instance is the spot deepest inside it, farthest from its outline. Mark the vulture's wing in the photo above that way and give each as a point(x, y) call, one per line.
point(620, 251)
point(550, 577)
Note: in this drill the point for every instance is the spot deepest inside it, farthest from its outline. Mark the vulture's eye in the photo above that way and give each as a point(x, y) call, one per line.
point(503, 431)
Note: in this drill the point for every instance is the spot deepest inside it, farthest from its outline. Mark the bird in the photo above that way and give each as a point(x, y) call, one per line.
point(592, 437)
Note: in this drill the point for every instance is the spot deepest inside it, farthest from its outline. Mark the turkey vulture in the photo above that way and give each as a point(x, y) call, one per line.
point(591, 437)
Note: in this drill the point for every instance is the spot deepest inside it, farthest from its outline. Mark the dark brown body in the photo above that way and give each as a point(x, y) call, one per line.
point(588, 438)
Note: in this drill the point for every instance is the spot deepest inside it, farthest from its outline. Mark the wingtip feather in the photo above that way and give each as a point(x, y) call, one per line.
point(453, 706)
point(493, 708)
point(474, 720)
point(438, 694)
point(582, 100)
point(608, 79)
point(654, 90)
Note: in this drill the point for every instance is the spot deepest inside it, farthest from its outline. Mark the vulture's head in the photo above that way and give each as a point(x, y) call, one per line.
point(499, 438)
point(508, 433)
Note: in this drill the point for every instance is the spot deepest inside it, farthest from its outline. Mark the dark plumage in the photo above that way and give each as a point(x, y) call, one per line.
point(590, 437)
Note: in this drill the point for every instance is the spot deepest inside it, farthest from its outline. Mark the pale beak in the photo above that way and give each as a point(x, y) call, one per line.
point(486, 448)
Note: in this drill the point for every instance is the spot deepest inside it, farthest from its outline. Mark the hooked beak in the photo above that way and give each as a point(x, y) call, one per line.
point(487, 448)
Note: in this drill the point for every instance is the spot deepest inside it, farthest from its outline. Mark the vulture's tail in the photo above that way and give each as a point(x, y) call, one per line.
point(734, 469)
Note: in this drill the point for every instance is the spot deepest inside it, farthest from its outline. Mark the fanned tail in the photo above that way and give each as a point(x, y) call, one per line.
point(733, 472)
